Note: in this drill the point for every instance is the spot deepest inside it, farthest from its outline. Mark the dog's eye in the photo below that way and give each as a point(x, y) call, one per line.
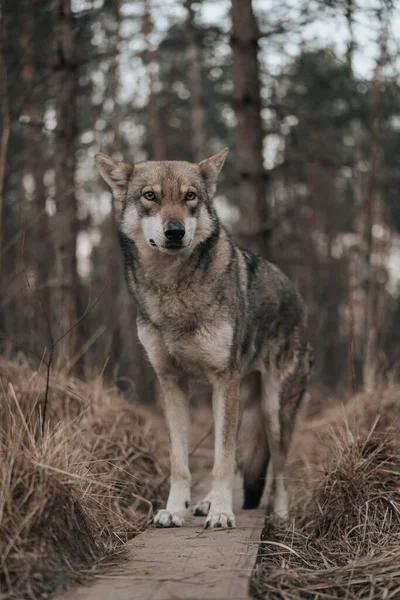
point(190, 196)
point(149, 196)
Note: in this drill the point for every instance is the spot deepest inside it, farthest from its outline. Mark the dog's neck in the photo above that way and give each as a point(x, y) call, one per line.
point(168, 272)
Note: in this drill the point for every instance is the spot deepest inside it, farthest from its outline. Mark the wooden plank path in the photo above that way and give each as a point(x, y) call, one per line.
point(187, 563)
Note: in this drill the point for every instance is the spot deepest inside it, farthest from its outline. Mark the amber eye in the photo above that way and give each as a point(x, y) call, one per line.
point(190, 196)
point(149, 196)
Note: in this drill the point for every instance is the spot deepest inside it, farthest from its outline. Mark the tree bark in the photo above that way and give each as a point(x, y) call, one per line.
point(250, 173)
point(40, 157)
point(65, 222)
point(5, 126)
point(113, 254)
point(31, 159)
point(197, 121)
point(371, 325)
point(349, 14)
point(157, 140)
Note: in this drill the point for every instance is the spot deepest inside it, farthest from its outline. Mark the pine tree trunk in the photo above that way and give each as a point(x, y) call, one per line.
point(33, 160)
point(371, 325)
point(5, 126)
point(113, 254)
point(39, 156)
point(25, 39)
point(12, 149)
point(349, 14)
point(157, 139)
point(250, 174)
point(198, 132)
point(65, 222)
point(370, 335)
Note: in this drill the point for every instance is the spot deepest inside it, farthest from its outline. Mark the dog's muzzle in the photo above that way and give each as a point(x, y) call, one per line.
point(174, 233)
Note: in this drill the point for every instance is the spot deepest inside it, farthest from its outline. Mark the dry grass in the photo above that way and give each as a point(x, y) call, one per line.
point(344, 539)
point(72, 496)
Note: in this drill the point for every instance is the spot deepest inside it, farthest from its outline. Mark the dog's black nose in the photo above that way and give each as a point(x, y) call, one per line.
point(174, 231)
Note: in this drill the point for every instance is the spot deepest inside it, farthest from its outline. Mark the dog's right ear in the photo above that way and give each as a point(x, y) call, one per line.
point(210, 168)
point(115, 173)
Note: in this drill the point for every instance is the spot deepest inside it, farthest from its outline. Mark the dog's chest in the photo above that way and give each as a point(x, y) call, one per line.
point(207, 348)
point(194, 330)
point(178, 310)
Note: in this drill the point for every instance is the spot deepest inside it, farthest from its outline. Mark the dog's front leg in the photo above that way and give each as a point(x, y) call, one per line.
point(225, 407)
point(174, 396)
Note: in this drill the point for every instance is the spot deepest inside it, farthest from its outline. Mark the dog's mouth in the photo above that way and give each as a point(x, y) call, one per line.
point(172, 247)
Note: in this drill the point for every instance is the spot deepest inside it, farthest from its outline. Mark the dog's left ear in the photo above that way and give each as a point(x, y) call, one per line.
point(210, 168)
point(114, 172)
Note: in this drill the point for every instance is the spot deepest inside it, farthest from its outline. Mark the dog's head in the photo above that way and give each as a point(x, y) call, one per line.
point(166, 205)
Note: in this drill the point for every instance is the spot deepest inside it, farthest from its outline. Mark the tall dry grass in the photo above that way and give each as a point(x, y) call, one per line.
point(344, 538)
point(73, 495)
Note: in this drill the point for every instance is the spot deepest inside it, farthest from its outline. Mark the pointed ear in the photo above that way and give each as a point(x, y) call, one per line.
point(210, 168)
point(115, 173)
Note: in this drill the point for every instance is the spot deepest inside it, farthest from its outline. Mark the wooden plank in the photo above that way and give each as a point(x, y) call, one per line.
point(185, 563)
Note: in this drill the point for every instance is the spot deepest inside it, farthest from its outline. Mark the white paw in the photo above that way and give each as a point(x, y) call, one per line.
point(202, 508)
point(222, 520)
point(164, 518)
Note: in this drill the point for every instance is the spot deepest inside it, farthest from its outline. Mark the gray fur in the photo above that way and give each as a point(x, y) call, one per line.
point(214, 311)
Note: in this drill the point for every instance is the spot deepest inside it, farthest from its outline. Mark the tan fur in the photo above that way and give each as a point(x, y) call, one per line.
point(211, 310)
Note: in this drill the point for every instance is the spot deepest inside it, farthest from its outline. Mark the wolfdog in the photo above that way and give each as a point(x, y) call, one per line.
point(206, 308)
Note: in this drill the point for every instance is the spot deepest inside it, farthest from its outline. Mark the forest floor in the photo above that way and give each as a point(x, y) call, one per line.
point(74, 495)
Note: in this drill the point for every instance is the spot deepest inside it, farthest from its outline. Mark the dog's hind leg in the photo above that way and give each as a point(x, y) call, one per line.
point(282, 396)
point(202, 508)
point(277, 444)
point(253, 446)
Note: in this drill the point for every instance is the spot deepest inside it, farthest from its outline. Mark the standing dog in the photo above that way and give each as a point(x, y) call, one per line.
point(208, 309)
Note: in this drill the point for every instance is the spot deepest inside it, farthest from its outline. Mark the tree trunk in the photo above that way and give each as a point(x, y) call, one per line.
point(197, 121)
point(43, 236)
point(250, 174)
point(12, 150)
point(370, 335)
point(349, 14)
point(5, 126)
point(113, 253)
point(39, 160)
point(371, 325)
point(157, 141)
point(23, 299)
point(65, 222)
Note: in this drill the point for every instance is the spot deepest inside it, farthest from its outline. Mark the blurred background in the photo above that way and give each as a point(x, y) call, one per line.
point(306, 94)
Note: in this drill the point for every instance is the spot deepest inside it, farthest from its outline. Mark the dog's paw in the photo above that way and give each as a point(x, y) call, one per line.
point(222, 520)
point(164, 518)
point(202, 508)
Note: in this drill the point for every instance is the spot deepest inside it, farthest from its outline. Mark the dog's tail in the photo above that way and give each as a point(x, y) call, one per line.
point(254, 455)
